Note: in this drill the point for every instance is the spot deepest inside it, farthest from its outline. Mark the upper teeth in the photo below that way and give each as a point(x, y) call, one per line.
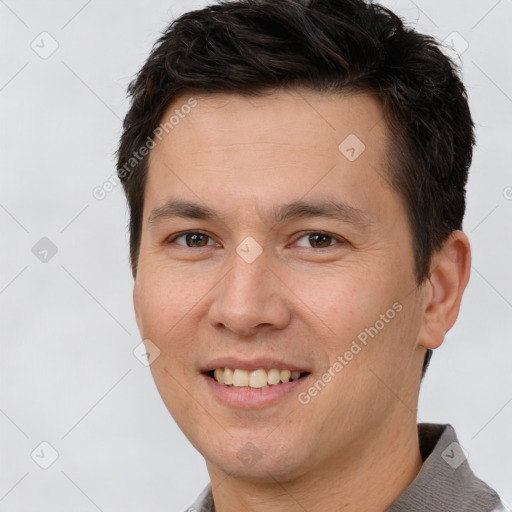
point(254, 379)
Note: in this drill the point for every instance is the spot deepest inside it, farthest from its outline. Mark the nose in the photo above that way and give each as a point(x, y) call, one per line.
point(250, 297)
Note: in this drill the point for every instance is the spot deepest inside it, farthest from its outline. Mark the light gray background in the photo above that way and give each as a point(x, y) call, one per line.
point(68, 375)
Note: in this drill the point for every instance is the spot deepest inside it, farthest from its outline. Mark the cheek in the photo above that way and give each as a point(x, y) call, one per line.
point(164, 303)
point(345, 303)
point(371, 323)
point(163, 297)
point(179, 395)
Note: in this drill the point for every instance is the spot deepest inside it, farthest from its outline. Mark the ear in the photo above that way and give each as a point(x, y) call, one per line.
point(449, 275)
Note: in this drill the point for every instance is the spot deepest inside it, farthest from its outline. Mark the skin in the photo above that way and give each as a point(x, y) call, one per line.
point(354, 446)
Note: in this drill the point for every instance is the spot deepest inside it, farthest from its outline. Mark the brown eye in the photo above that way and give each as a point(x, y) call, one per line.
point(196, 240)
point(192, 239)
point(319, 240)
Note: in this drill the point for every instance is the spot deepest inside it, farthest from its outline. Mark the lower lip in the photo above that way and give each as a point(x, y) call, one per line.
point(253, 398)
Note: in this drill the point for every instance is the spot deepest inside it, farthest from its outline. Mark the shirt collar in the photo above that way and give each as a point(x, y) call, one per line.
point(445, 482)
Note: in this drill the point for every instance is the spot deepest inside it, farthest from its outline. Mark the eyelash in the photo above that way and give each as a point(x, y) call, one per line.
point(329, 235)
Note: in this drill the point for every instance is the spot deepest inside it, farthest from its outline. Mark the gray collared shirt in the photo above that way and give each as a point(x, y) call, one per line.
point(445, 482)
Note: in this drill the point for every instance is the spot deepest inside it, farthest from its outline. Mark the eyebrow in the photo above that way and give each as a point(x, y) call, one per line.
point(333, 209)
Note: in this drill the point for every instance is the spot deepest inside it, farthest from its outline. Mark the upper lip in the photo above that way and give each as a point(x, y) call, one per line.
point(254, 363)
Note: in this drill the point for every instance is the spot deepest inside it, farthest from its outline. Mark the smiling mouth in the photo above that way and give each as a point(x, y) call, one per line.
point(256, 379)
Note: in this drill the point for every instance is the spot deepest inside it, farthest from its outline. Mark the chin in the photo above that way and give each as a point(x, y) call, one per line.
point(252, 464)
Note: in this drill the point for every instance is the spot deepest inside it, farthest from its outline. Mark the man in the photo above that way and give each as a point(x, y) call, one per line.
point(296, 176)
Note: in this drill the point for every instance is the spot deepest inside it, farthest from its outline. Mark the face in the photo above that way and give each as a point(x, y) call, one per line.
point(294, 253)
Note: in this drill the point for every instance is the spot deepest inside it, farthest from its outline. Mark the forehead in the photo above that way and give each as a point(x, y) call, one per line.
point(297, 118)
point(289, 142)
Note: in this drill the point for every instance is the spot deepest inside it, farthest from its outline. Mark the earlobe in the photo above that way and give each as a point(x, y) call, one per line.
point(450, 270)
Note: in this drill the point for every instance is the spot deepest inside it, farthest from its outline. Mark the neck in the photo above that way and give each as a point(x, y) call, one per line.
point(370, 477)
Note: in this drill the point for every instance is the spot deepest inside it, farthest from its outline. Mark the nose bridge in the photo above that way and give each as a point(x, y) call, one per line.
point(248, 295)
point(247, 282)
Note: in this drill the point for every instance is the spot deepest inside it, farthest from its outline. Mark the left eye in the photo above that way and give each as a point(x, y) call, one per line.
point(193, 237)
point(320, 240)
